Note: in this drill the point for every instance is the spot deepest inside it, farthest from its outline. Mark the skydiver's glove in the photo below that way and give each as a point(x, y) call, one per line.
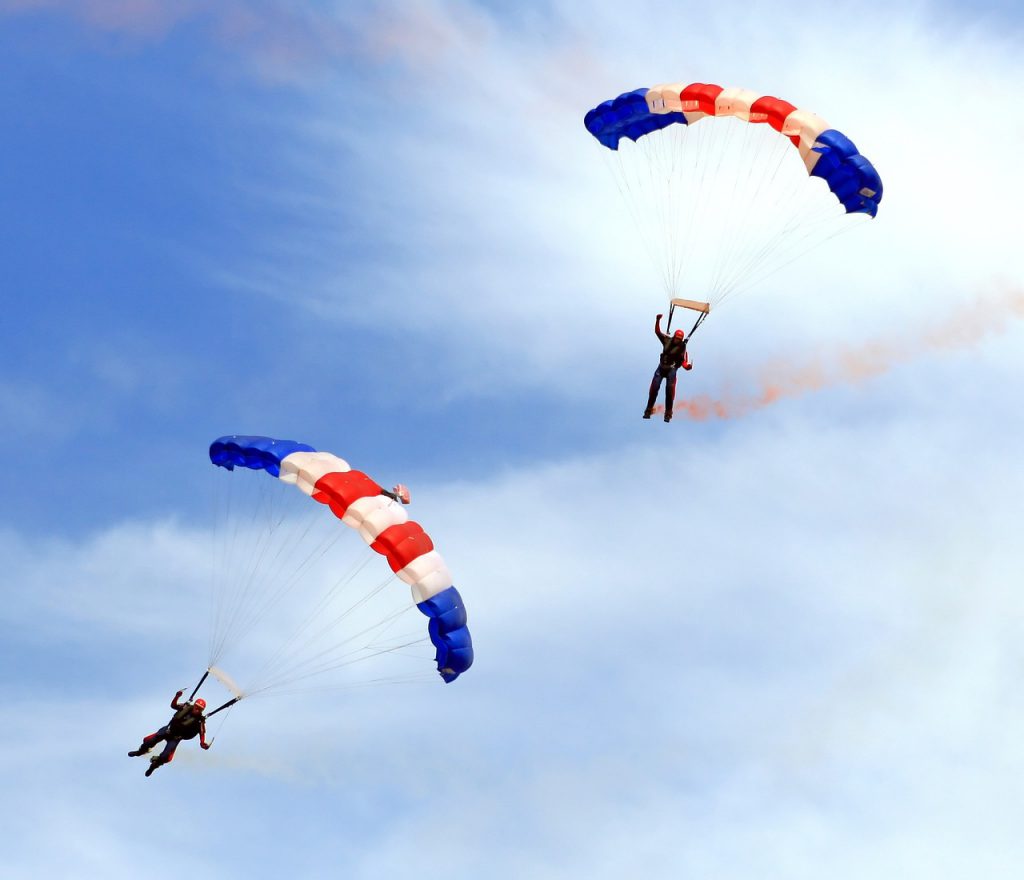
point(659, 317)
point(402, 493)
point(205, 746)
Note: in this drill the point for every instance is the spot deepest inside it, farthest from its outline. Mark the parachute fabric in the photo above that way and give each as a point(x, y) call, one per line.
point(728, 185)
point(383, 525)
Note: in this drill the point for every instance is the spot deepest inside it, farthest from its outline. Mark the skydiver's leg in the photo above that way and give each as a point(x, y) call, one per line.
point(149, 742)
point(653, 395)
point(670, 394)
point(165, 757)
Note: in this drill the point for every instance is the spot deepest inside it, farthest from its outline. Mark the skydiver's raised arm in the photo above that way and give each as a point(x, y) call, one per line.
point(174, 703)
point(657, 328)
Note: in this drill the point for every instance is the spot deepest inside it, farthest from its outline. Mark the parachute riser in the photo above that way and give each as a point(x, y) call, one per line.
point(703, 308)
point(226, 705)
point(195, 690)
point(696, 324)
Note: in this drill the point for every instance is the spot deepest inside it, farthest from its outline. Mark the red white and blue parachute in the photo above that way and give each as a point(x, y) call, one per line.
point(730, 181)
point(382, 523)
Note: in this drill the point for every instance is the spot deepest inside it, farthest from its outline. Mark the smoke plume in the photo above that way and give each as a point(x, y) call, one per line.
point(989, 315)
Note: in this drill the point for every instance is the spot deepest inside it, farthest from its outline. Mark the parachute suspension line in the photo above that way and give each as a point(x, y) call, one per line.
point(221, 572)
point(794, 255)
point(660, 193)
point(407, 678)
point(350, 658)
point(726, 234)
point(292, 643)
point(797, 225)
point(756, 151)
point(686, 144)
point(719, 203)
point(322, 660)
point(676, 199)
point(802, 231)
point(256, 613)
point(634, 191)
point(251, 604)
point(293, 666)
point(226, 589)
point(708, 160)
point(262, 527)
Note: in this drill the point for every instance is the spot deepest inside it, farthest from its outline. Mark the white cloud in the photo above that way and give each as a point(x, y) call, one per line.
point(772, 648)
point(783, 646)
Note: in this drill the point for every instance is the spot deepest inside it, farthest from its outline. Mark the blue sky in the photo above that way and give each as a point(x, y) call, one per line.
point(783, 644)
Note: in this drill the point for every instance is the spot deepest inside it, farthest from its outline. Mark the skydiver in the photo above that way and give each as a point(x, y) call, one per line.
point(187, 723)
point(673, 356)
point(399, 493)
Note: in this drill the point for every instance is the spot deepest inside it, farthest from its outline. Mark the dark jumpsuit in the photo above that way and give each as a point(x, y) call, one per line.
point(185, 724)
point(673, 356)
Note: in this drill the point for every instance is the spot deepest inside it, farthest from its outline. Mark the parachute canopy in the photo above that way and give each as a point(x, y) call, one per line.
point(729, 180)
point(383, 524)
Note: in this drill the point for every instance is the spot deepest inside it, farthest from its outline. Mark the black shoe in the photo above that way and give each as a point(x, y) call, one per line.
point(668, 418)
point(151, 768)
point(135, 753)
point(647, 413)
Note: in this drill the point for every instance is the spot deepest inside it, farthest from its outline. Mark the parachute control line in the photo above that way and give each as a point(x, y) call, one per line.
point(356, 500)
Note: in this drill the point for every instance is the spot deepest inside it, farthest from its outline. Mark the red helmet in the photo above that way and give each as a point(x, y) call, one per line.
point(679, 334)
point(200, 703)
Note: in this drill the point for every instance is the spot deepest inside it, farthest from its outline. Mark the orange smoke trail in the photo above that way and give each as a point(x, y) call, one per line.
point(989, 315)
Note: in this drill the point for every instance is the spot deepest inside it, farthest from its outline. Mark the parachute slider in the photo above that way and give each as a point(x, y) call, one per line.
point(691, 304)
point(694, 305)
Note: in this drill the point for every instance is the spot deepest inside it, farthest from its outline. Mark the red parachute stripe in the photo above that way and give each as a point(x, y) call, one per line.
point(773, 111)
point(340, 489)
point(408, 550)
point(403, 543)
point(700, 96)
point(392, 536)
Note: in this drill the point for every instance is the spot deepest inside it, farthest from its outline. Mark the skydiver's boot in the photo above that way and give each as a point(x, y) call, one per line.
point(647, 413)
point(154, 762)
point(135, 753)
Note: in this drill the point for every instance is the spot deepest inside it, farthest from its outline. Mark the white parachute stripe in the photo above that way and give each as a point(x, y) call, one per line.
point(736, 102)
point(665, 98)
point(432, 583)
point(304, 469)
point(421, 566)
point(808, 126)
point(386, 515)
point(361, 508)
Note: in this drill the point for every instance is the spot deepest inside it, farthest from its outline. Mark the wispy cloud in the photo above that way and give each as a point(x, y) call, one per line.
point(722, 659)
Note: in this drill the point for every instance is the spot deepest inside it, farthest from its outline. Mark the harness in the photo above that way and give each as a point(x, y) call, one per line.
point(185, 724)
